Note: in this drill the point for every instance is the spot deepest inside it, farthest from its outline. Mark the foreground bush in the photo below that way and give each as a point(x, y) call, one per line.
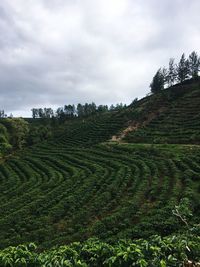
point(174, 251)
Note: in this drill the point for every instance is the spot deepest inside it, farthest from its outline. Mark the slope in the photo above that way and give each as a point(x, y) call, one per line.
point(78, 185)
point(171, 116)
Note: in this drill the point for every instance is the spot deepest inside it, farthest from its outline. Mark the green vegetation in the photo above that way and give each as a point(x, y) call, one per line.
point(104, 186)
point(72, 111)
point(56, 193)
point(156, 252)
point(5, 146)
point(13, 134)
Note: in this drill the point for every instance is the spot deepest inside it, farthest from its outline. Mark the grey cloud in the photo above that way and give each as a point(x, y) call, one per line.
point(62, 51)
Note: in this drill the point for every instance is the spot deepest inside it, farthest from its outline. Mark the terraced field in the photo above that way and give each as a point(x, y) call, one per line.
point(76, 187)
point(80, 184)
point(179, 123)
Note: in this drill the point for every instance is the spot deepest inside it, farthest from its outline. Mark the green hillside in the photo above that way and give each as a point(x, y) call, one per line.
point(94, 180)
point(172, 116)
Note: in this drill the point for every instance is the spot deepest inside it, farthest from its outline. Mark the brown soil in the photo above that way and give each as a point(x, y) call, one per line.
point(135, 125)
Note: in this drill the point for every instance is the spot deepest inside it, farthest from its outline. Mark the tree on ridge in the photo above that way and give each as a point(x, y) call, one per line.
point(157, 83)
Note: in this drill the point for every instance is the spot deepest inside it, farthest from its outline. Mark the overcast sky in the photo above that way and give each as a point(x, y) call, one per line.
point(56, 52)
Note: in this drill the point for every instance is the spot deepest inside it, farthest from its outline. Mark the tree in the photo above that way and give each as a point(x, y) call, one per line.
point(40, 112)
point(157, 83)
point(47, 112)
point(164, 72)
point(171, 76)
point(19, 131)
point(69, 110)
point(112, 107)
point(35, 113)
point(38, 134)
point(2, 114)
point(119, 106)
point(194, 65)
point(92, 108)
point(102, 108)
point(80, 110)
point(60, 113)
point(182, 69)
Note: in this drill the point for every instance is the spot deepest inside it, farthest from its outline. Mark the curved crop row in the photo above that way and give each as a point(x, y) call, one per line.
point(59, 194)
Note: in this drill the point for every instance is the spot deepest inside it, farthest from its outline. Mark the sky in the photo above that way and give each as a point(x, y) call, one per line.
point(57, 52)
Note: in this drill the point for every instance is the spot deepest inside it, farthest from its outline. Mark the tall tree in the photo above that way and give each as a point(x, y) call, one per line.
point(182, 69)
point(157, 83)
point(40, 112)
point(164, 72)
point(80, 110)
point(112, 107)
point(171, 76)
point(69, 110)
point(47, 112)
point(35, 113)
point(194, 64)
point(102, 108)
point(60, 113)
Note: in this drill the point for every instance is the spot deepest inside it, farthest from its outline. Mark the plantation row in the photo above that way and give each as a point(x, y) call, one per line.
point(181, 250)
point(59, 194)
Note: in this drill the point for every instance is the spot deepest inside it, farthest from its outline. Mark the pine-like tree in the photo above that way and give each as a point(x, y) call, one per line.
point(157, 83)
point(194, 64)
point(182, 69)
point(164, 72)
point(171, 77)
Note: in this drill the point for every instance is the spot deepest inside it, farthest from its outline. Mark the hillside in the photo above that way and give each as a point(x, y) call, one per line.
point(171, 116)
point(94, 179)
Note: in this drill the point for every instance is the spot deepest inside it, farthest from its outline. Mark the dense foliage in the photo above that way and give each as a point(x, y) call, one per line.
point(171, 251)
point(13, 134)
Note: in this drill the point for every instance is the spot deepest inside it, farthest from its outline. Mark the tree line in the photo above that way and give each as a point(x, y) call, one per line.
point(15, 133)
point(71, 111)
point(186, 68)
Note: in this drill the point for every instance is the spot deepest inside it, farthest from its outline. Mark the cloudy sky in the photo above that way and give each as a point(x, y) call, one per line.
point(55, 52)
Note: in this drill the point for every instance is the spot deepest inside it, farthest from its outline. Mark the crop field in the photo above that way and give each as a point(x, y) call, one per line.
point(83, 192)
point(69, 190)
